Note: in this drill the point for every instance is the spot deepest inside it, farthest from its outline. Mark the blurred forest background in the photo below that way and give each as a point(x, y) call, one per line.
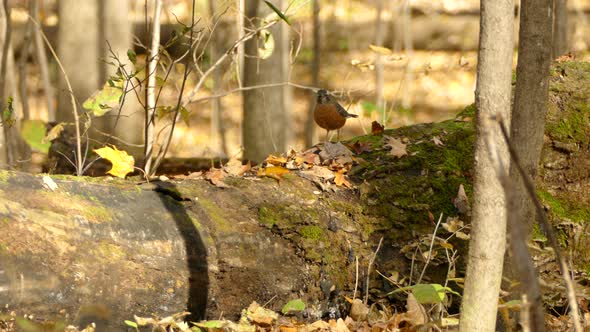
point(397, 62)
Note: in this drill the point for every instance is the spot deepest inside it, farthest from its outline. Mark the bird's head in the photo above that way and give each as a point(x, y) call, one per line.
point(323, 96)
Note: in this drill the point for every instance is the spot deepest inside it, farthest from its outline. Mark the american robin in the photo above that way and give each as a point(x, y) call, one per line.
point(328, 114)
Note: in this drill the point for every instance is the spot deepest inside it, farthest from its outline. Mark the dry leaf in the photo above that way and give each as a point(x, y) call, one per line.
point(122, 162)
point(340, 179)
point(566, 57)
point(234, 167)
point(319, 172)
point(360, 147)
point(377, 128)
point(416, 314)
point(398, 149)
point(437, 141)
point(216, 176)
point(275, 172)
point(318, 325)
point(53, 133)
point(461, 202)
point(463, 61)
point(311, 158)
point(261, 316)
point(341, 326)
point(275, 160)
point(380, 50)
point(358, 310)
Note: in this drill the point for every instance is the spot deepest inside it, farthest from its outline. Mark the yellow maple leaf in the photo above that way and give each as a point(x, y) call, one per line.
point(122, 162)
point(276, 172)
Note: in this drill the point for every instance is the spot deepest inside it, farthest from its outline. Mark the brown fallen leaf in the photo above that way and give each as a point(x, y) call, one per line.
point(310, 158)
point(398, 149)
point(216, 176)
point(360, 147)
point(340, 179)
point(461, 202)
point(234, 167)
point(358, 310)
point(275, 160)
point(416, 314)
point(284, 328)
point(53, 133)
point(566, 57)
point(377, 128)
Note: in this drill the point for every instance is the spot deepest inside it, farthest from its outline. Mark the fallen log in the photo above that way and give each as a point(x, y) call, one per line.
point(102, 250)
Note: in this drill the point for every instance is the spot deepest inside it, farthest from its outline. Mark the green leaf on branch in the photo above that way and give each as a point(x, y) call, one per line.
point(268, 44)
point(132, 56)
point(277, 11)
point(428, 293)
point(33, 132)
point(185, 115)
point(106, 99)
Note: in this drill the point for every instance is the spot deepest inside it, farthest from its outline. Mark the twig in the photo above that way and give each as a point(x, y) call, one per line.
point(547, 227)
point(429, 257)
point(252, 87)
point(179, 105)
point(79, 160)
point(222, 58)
point(356, 276)
point(369, 270)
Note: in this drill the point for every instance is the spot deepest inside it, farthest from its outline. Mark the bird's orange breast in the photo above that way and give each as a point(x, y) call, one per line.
point(327, 117)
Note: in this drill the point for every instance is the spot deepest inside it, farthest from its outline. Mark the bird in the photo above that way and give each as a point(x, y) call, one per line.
point(328, 114)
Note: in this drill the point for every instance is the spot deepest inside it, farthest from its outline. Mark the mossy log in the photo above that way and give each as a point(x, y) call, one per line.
point(103, 250)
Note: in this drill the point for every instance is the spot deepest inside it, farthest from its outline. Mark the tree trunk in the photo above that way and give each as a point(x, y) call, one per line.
point(266, 125)
point(219, 141)
point(14, 152)
point(115, 28)
point(310, 126)
point(379, 75)
point(560, 28)
point(527, 128)
point(488, 234)
point(78, 51)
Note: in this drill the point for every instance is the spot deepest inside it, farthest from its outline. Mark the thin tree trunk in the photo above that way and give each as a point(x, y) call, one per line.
point(41, 58)
point(265, 125)
point(310, 127)
point(22, 70)
point(379, 80)
point(241, 13)
point(488, 234)
point(150, 97)
point(409, 49)
point(217, 125)
point(5, 54)
point(115, 32)
point(527, 128)
point(78, 52)
point(560, 29)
